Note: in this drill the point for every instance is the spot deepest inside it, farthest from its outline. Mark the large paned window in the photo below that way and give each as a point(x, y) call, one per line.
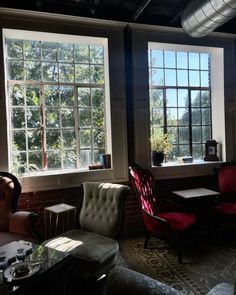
point(58, 101)
point(180, 98)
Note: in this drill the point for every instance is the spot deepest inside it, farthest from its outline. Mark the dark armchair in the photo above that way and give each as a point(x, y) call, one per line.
point(158, 220)
point(14, 224)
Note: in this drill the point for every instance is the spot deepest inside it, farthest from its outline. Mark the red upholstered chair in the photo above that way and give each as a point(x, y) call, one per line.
point(14, 225)
point(225, 210)
point(159, 222)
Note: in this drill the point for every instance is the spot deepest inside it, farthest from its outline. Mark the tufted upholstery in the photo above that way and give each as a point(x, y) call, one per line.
point(101, 220)
point(102, 209)
point(14, 225)
point(121, 281)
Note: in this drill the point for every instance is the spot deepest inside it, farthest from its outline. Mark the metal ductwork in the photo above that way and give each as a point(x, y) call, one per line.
point(203, 16)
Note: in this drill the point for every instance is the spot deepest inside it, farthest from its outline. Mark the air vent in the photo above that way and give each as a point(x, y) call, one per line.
point(203, 16)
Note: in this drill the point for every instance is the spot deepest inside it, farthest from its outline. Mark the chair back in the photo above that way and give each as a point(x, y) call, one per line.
point(102, 209)
point(143, 182)
point(227, 181)
point(10, 190)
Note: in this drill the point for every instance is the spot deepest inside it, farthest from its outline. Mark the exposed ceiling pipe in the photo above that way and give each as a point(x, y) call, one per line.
point(140, 9)
point(203, 16)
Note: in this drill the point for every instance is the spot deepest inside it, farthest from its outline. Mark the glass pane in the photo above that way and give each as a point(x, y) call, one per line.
point(157, 116)
point(18, 117)
point(52, 118)
point(53, 139)
point(96, 54)
point(67, 118)
point(184, 150)
point(193, 61)
point(197, 151)
point(85, 119)
point(206, 133)
point(206, 116)
point(33, 117)
point(204, 78)
point(205, 97)
point(196, 134)
point(97, 95)
point(66, 73)
point(194, 79)
point(51, 95)
point(169, 57)
point(32, 49)
point(32, 70)
point(183, 115)
point(82, 74)
point(34, 140)
point(67, 95)
point(84, 97)
point(171, 116)
point(183, 98)
point(98, 117)
point(19, 162)
point(196, 116)
point(173, 133)
point(157, 58)
point(16, 93)
point(14, 48)
point(157, 77)
point(183, 135)
point(32, 96)
point(195, 98)
point(35, 161)
point(15, 70)
point(82, 53)
point(98, 139)
point(54, 160)
point(204, 58)
point(85, 158)
point(97, 74)
point(19, 140)
point(182, 77)
point(50, 72)
point(68, 139)
point(170, 77)
point(182, 60)
point(69, 159)
point(49, 51)
point(65, 52)
point(85, 138)
point(171, 97)
point(156, 98)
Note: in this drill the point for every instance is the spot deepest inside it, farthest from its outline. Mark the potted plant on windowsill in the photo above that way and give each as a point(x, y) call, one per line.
point(160, 146)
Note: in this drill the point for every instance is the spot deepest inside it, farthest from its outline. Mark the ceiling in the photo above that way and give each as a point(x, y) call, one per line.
point(155, 12)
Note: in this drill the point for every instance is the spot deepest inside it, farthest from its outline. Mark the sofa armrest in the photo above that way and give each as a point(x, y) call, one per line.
point(122, 280)
point(23, 223)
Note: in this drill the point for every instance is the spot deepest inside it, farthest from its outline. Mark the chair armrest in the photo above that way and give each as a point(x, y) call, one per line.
point(23, 223)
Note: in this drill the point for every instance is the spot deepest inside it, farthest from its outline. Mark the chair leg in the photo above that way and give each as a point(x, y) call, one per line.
point(146, 241)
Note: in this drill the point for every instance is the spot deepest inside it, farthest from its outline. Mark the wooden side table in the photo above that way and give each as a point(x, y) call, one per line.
point(62, 211)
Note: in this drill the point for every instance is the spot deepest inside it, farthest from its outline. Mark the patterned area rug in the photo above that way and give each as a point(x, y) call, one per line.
point(205, 264)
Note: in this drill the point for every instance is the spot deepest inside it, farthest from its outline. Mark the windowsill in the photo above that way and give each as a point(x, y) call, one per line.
point(66, 179)
point(181, 170)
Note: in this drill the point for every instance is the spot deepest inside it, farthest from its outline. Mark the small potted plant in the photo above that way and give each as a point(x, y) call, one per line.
point(160, 146)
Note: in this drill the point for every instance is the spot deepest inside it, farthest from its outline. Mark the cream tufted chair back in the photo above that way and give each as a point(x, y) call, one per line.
point(103, 208)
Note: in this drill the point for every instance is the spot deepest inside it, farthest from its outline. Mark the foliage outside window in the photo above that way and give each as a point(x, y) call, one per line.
point(180, 99)
point(56, 102)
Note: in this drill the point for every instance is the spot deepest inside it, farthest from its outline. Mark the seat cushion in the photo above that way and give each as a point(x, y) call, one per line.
point(222, 289)
point(94, 254)
point(179, 221)
point(226, 208)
